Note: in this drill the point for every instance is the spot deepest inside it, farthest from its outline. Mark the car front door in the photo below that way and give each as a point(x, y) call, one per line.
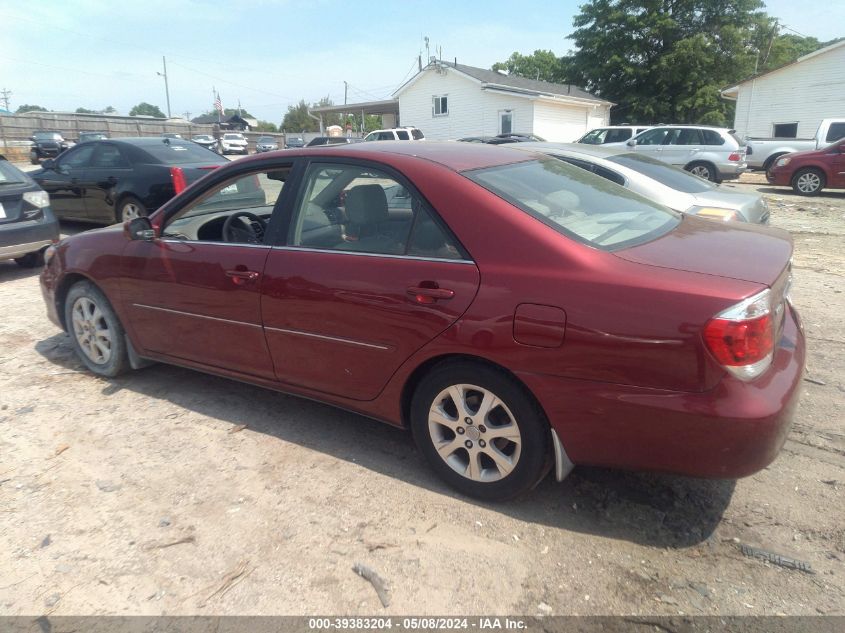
point(364, 276)
point(107, 169)
point(838, 166)
point(651, 142)
point(194, 292)
point(64, 182)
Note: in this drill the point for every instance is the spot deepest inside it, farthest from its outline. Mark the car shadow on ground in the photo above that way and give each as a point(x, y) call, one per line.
point(649, 509)
point(789, 193)
point(10, 271)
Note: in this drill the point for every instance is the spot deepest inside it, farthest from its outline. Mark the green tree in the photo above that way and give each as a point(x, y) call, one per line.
point(542, 65)
point(146, 109)
point(109, 110)
point(297, 119)
point(85, 111)
point(665, 60)
point(30, 108)
point(266, 126)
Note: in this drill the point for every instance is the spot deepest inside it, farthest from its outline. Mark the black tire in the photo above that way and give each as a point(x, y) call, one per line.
point(703, 170)
point(33, 158)
point(129, 207)
point(771, 161)
point(117, 361)
point(808, 181)
point(519, 409)
point(31, 260)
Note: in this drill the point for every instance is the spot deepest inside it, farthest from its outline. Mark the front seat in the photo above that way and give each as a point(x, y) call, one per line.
point(367, 220)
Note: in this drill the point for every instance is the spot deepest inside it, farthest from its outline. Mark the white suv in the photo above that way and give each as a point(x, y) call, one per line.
point(713, 153)
point(233, 143)
point(612, 134)
point(396, 134)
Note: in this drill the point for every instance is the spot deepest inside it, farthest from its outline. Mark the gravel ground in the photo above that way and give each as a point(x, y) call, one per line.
point(169, 491)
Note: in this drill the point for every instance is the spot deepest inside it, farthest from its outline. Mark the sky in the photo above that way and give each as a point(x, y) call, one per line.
point(269, 54)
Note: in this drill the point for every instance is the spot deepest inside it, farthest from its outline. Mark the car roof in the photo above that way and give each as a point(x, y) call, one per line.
point(452, 155)
point(145, 141)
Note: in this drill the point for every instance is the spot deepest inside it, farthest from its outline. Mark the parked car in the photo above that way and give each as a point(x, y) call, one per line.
point(92, 136)
point(709, 152)
point(27, 225)
point(810, 172)
point(763, 152)
point(502, 139)
point(170, 135)
point(396, 134)
point(206, 140)
point(233, 143)
point(265, 144)
point(612, 134)
point(46, 144)
point(513, 311)
point(115, 180)
point(660, 182)
point(331, 140)
point(294, 142)
point(475, 139)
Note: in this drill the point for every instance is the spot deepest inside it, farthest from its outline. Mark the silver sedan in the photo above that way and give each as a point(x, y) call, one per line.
point(661, 182)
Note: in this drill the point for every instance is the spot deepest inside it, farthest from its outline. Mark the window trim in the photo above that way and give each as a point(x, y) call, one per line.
point(434, 101)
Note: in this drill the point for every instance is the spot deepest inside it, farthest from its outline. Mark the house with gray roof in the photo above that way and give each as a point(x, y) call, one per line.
point(448, 100)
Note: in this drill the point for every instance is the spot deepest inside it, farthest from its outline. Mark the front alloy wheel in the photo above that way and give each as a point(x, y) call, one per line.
point(92, 331)
point(96, 333)
point(480, 430)
point(808, 182)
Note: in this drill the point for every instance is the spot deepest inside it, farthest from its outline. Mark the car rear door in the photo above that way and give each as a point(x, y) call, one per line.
point(194, 293)
point(838, 166)
point(681, 145)
point(109, 167)
point(364, 275)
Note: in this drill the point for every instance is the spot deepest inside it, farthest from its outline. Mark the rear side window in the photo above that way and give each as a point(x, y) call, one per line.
point(712, 137)
point(108, 157)
point(403, 135)
point(417, 134)
point(690, 136)
point(180, 152)
point(835, 132)
point(578, 204)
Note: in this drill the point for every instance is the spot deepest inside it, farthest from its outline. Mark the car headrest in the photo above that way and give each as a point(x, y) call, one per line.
point(366, 204)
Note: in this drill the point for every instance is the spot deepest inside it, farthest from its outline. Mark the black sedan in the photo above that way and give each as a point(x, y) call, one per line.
point(27, 225)
point(120, 179)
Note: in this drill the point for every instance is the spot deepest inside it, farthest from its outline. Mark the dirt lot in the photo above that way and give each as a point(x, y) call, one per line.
point(147, 495)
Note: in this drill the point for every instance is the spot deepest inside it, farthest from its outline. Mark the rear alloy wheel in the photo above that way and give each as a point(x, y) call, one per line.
point(808, 181)
point(480, 431)
point(95, 330)
point(129, 209)
point(702, 170)
point(31, 260)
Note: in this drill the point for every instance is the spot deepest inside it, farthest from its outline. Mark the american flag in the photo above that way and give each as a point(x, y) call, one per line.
point(218, 105)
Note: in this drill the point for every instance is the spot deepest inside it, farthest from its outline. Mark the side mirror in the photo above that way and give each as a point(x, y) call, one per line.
point(631, 143)
point(140, 229)
point(48, 164)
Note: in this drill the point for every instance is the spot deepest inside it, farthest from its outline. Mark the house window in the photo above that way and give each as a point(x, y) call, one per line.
point(505, 121)
point(785, 130)
point(441, 105)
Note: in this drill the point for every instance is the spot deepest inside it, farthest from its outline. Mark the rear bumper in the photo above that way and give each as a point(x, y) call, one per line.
point(732, 171)
point(20, 238)
point(734, 430)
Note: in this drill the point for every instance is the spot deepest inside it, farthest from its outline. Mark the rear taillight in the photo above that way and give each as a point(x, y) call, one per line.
point(742, 338)
point(178, 178)
point(735, 157)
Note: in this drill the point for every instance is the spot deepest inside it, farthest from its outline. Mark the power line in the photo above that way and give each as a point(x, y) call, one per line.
point(5, 98)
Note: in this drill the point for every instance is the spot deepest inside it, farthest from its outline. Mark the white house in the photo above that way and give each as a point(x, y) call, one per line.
point(449, 101)
point(791, 101)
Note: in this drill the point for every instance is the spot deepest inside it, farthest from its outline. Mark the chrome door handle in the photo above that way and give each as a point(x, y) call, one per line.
point(426, 295)
point(241, 277)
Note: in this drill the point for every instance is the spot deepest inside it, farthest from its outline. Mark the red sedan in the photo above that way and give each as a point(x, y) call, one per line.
point(515, 312)
point(810, 172)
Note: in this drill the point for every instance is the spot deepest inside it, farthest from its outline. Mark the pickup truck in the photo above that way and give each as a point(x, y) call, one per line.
point(761, 153)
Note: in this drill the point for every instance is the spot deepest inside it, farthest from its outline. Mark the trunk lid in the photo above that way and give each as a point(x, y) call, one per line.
point(723, 249)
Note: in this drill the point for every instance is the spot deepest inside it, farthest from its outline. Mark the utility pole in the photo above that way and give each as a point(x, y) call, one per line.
point(166, 87)
point(187, 116)
point(5, 98)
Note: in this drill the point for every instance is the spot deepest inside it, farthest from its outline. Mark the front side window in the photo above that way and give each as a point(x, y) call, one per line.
point(617, 136)
point(77, 158)
point(835, 132)
point(441, 105)
point(653, 137)
point(577, 203)
point(363, 210)
point(236, 211)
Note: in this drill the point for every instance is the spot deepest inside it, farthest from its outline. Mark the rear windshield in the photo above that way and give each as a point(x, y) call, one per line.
point(10, 174)
point(663, 173)
point(581, 205)
point(265, 139)
point(176, 153)
point(233, 137)
point(47, 136)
